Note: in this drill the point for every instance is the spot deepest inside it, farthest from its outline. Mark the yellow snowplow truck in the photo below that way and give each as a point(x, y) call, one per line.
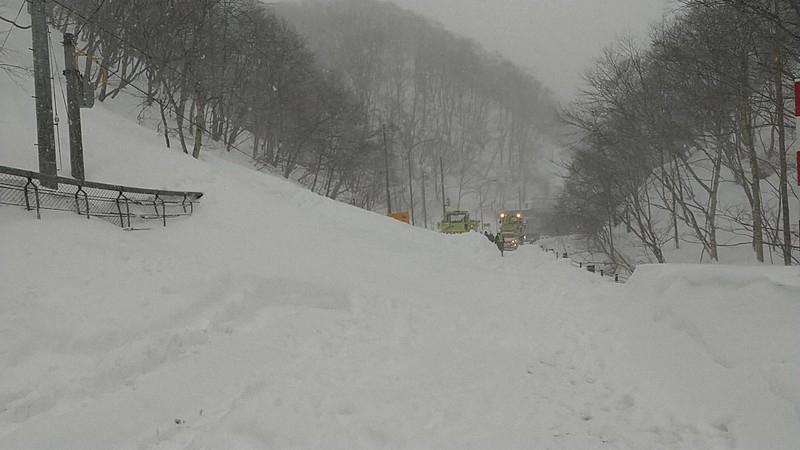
point(457, 222)
point(512, 225)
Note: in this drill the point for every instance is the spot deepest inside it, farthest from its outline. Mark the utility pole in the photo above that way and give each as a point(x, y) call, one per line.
point(480, 194)
point(411, 181)
point(386, 161)
point(424, 200)
point(44, 99)
point(73, 108)
point(797, 134)
point(441, 172)
point(410, 187)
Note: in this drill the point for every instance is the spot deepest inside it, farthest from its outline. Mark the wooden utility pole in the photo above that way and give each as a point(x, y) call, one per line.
point(424, 199)
point(410, 187)
point(797, 135)
point(73, 108)
point(44, 99)
point(441, 172)
point(386, 161)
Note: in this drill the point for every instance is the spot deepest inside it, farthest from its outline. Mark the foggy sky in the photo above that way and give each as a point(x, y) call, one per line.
point(555, 39)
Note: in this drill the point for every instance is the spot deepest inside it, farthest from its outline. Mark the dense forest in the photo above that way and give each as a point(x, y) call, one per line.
point(665, 129)
point(358, 100)
point(441, 100)
point(369, 104)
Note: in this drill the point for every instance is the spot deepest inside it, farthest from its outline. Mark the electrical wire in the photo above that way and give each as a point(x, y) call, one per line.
point(161, 64)
point(2, 47)
point(54, 76)
point(167, 106)
point(60, 81)
point(164, 64)
point(78, 33)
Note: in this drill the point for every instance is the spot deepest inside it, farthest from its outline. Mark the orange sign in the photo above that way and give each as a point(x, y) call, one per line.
point(402, 216)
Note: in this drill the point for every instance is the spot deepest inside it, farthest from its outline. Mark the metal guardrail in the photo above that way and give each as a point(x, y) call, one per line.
point(129, 207)
point(590, 266)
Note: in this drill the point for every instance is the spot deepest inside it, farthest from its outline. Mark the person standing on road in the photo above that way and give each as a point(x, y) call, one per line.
point(501, 242)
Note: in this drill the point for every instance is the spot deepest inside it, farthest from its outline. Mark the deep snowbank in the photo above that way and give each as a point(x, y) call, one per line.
point(736, 325)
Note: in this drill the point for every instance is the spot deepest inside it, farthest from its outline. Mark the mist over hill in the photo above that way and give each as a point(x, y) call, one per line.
point(440, 97)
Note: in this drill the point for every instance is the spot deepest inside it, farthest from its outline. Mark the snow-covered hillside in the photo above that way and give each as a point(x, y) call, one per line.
point(275, 318)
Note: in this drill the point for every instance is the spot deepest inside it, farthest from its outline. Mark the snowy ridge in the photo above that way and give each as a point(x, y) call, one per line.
point(735, 324)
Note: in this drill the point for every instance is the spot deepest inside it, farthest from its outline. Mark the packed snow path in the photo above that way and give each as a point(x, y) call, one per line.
point(352, 339)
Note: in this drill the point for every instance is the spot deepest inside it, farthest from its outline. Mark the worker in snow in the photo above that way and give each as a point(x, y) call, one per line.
point(501, 242)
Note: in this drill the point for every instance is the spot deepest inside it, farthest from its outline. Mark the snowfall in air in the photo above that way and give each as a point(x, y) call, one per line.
point(239, 328)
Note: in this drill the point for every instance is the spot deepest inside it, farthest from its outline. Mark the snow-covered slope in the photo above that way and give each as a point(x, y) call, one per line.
point(274, 318)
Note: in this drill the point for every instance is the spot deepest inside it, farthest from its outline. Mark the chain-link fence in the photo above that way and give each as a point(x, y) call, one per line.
point(604, 268)
point(128, 207)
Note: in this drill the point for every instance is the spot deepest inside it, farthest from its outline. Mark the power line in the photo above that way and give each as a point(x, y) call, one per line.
point(14, 23)
point(156, 60)
point(54, 75)
point(78, 33)
point(166, 105)
point(87, 20)
point(165, 65)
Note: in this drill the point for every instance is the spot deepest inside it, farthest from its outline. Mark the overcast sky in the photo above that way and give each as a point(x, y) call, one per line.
point(555, 39)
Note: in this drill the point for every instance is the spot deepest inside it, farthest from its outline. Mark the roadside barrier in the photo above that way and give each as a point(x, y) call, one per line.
point(131, 208)
point(599, 267)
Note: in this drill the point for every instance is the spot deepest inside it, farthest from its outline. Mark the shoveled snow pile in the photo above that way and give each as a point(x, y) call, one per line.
point(274, 318)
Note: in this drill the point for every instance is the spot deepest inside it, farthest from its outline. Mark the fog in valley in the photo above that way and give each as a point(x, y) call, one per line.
point(555, 40)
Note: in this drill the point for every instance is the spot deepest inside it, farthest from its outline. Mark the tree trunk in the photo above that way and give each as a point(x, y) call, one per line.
point(161, 108)
point(199, 124)
point(748, 138)
point(779, 105)
point(180, 107)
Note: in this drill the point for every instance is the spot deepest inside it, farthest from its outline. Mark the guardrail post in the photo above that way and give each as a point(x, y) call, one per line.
point(601, 273)
point(27, 202)
point(155, 202)
point(36, 196)
point(163, 208)
point(616, 278)
point(85, 199)
point(127, 214)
